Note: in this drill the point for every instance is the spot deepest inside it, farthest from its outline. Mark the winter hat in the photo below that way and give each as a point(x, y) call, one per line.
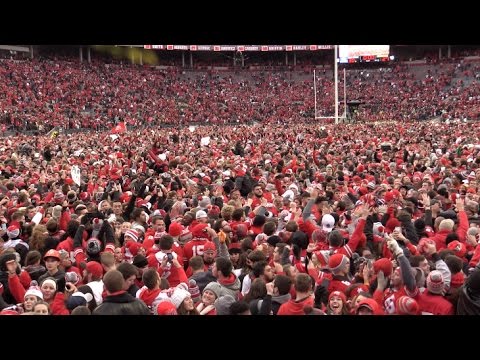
point(198, 231)
point(175, 229)
point(165, 307)
point(214, 287)
point(384, 265)
point(94, 246)
point(328, 221)
point(209, 245)
point(406, 305)
point(340, 294)
point(178, 296)
point(458, 248)
point(435, 282)
point(336, 262)
point(223, 303)
point(419, 225)
point(13, 231)
point(132, 234)
point(194, 291)
point(51, 281)
point(201, 214)
point(95, 269)
point(140, 261)
point(138, 228)
point(323, 257)
point(34, 289)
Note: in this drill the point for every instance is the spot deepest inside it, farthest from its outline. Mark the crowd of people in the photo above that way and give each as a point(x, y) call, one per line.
point(274, 218)
point(41, 94)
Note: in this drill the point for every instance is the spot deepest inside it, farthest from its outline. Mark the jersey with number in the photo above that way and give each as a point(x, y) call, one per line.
point(194, 248)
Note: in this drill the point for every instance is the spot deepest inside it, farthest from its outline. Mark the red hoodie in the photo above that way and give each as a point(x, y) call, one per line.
point(295, 307)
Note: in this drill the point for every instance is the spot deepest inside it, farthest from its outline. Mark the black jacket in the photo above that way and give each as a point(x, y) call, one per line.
point(122, 304)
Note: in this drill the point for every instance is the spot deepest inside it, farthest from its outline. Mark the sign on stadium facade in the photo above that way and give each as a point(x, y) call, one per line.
point(240, 48)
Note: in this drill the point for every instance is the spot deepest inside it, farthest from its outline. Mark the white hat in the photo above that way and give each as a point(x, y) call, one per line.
point(328, 221)
point(178, 296)
point(88, 297)
point(293, 187)
point(34, 290)
point(201, 214)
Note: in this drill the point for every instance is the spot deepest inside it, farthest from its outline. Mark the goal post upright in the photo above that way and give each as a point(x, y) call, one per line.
point(335, 75)
point(336, 118)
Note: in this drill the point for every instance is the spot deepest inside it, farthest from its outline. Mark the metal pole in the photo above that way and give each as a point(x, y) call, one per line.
point(344, 94)
point(336, 83)
point(141, 57)
point(88, 55)
point(315, 91)
point(81, 54)
point(449, 51)
point(440, 53)
point(31, 52)
point(191, 59)
point(133, 55)
point(286, 58)
point(294, 59)
point(183, 58)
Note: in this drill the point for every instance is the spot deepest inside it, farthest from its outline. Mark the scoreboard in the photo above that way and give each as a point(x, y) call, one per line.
point(364, 53)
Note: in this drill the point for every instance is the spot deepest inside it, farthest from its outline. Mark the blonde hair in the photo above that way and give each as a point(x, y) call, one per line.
point(227, 211)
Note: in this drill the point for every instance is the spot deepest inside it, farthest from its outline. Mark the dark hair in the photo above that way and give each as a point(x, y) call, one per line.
point(258, 220)
point(127, 270)
point(166, 242)
point(237, 214)
point(258, 290)
point(224, 266)
point(335, 238)
point(303, 282)
point(269, 228)
point(258, 268)
point(444, 253)
point(454, 263)
point(416, 260)
point(451, 237)
point(81, 310)
point(283, 284)
point(32, 257)
point(150, 278)
point(196, 262)
point(239, 307)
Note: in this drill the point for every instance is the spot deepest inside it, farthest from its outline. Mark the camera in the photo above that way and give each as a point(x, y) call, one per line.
point(169, 257)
